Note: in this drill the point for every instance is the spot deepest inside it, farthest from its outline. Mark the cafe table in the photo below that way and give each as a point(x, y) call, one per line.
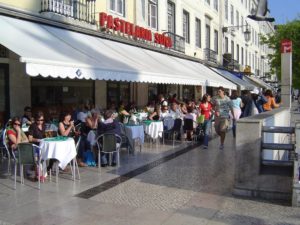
point(61, 148)
point(133, 133)
point(153, 128)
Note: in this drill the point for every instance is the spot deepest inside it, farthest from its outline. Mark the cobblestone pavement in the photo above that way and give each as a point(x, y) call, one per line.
point(189, 189)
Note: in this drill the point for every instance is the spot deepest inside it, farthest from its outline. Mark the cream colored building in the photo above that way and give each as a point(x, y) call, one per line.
point(198, 27)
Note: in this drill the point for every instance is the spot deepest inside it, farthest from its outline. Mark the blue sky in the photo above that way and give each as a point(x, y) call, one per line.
point(284, 10)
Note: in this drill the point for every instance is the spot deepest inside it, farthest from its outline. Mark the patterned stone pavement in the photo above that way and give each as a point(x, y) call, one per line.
point(188, 189)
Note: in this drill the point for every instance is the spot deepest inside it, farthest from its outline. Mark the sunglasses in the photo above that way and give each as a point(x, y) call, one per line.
point(17, 124)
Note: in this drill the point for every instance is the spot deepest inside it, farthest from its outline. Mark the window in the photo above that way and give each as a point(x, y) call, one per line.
point(216, 41)
point(60, 92)
point(216, 4)
point(207, 39)
point(226, 44)
point(118, 6)
point(242, 23)
point(226, 10)
point(232, 14)
point(152, 14)
point(118, 91)
point(171, 17)
point(246, 59)
point(186, 26)
point(238, 53)
point(143, 9)
point(208, 1)
point(198, 33)
point(232, 49)
point(237, 19)
point(242, 55)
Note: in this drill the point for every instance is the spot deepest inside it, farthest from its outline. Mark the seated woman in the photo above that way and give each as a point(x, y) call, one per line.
point(65, 128)
point(156, 114)
point(37, 129)
point(108, 126)
point(15, 134)
point(131, 108)
point(122, 112)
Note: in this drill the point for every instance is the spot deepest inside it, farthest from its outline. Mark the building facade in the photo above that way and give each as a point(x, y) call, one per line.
point(147, 47)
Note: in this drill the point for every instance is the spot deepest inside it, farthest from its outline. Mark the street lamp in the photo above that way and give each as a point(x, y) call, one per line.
point(247, 31)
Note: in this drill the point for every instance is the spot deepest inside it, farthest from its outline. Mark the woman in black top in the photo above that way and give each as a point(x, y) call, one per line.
point(66, 126)
point(37, 129)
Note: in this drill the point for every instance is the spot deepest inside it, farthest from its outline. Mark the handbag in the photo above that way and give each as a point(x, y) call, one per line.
point(201, 119)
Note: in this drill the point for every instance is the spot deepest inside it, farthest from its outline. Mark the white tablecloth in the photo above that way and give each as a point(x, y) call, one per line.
point(62, 150)
point(154, 129)
point(134, 132)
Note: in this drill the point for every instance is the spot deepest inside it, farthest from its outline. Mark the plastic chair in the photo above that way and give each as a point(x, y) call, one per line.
point(174, 131)
point(109, 143)
point(26, 156)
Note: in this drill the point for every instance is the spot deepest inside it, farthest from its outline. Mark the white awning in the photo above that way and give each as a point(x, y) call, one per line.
point(55, 52)
point(244, 85)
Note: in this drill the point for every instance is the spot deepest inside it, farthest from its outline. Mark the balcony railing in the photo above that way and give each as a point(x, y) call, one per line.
point(210, 55)
point(178, 42)
point(230, 63)
point(83, 10)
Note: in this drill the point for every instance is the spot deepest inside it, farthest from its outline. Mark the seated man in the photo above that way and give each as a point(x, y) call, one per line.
point(108, 126)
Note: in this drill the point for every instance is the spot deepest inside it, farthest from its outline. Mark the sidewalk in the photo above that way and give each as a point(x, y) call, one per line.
point(161, 185)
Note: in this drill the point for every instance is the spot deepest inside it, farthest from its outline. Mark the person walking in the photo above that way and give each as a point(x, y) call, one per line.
point(271, 103)
point(236, 105)
point(205, 108)
point(222, 105)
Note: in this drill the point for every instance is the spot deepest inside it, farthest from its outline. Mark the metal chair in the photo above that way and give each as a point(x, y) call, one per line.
point(125, 141)
point(5, 150)
point(26, 156)
point(175, 131)
point(109, 143)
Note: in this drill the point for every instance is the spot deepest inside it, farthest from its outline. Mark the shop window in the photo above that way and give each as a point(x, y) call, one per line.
point(118, 6)
point(188, 92)
point(116, 92)
point(152, 14)
point(61, 93)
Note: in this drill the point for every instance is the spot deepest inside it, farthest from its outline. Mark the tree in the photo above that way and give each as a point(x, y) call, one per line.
point(290, 31)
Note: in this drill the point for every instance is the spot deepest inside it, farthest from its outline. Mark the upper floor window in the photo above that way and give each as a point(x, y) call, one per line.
point(208, 1)
point(232, 14)
point(152, 14)
point(216, 40)
point(226, 9)
point(186, 26)
point(118, 6)
point(198, 32)
point(237, 19)
point(226, 44)
point(171, 17)
point(216, 4)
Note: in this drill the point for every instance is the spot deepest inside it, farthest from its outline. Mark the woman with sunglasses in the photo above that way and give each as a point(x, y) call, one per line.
point(15, 134)
point(37, 129)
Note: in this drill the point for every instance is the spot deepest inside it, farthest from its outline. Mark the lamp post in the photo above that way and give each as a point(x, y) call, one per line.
point(247, 31)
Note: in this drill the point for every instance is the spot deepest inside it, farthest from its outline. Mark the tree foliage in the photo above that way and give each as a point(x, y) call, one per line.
point(291, 31)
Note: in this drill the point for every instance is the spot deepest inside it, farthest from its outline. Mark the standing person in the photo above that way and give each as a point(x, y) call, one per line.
point(236, 105)
point(270, 101)
point(205, 108)
point(222, 105)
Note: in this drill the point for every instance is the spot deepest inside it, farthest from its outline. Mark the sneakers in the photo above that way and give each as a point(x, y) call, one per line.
point(205, 146)
point(221, 147)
